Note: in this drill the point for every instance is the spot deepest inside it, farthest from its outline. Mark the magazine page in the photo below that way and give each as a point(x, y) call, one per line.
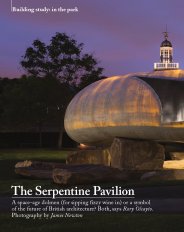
point(91, 115)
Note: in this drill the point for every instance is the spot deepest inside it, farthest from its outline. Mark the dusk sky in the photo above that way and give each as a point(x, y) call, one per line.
point(124, 35)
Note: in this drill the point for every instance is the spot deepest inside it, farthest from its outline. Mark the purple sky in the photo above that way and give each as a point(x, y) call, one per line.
point(124, 35)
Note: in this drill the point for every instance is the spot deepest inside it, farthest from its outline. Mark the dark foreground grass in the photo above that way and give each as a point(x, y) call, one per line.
point(97, 222)
point(33, 154)
point(8, 159)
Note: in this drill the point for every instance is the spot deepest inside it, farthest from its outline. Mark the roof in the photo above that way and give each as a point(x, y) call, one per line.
point(166, 43)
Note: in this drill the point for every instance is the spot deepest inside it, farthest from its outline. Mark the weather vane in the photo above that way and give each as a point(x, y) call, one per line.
point(165, 33)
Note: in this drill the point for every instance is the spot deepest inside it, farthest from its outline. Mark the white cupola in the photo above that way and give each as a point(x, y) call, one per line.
point(166, 55)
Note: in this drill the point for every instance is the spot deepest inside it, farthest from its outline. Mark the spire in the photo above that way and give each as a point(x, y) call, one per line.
point(165, 33)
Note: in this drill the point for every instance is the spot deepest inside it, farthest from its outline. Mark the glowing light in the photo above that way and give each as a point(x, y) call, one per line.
point(82, 146)
point(174, 164)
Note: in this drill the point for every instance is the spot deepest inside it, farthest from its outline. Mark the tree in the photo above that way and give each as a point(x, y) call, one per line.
point(62, 59)
point(32, 104)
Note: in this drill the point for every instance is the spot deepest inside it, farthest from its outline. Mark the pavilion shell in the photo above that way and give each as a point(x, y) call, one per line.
point(122, 106)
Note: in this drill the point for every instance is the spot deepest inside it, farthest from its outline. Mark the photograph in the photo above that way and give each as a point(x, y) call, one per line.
point(91, 115)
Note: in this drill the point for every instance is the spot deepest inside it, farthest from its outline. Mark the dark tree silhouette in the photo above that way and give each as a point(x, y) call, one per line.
point(33, 104)
point(62, 59)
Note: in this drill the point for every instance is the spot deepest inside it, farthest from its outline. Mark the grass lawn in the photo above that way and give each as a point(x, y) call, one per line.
point(8, 159)
point(90, 222)
point(33, 154)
